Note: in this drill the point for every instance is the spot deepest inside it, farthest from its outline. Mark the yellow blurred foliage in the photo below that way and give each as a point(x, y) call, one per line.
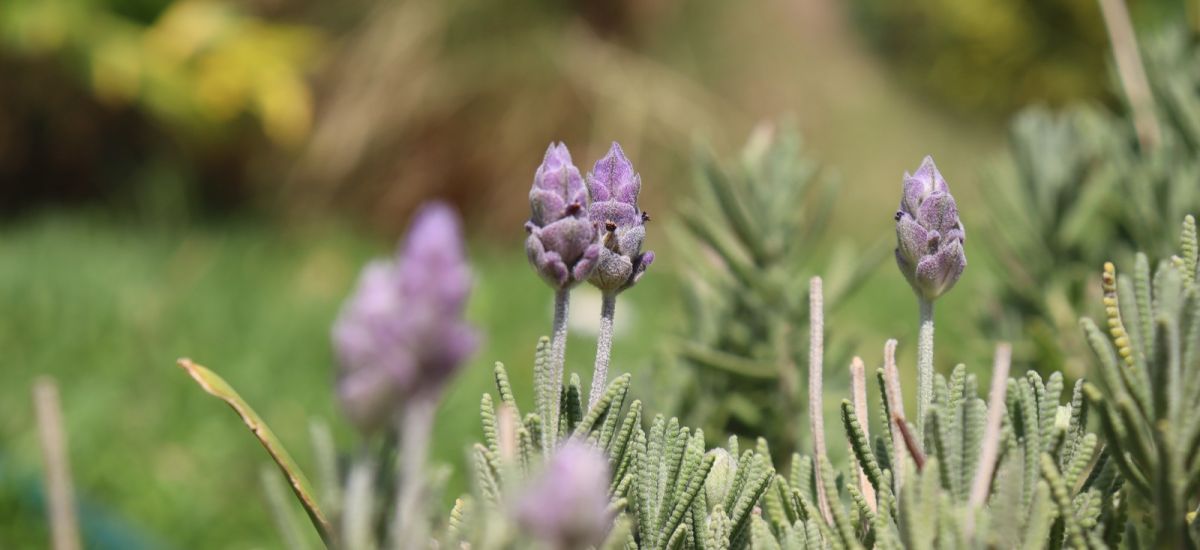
point(201, 65)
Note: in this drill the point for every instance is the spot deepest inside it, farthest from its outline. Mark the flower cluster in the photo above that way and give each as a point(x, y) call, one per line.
point(929, 234)
point(562, 240)
point(614, 188)
point(401, 334)
point(567, 505)
point(591, 232)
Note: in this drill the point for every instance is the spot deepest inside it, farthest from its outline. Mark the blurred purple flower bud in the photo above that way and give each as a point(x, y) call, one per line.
point(929, 235)
point(402, 332)
point(567, 505)
point(562, 241)
point(614, 188)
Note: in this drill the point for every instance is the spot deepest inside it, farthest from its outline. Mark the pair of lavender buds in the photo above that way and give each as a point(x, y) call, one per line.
point(591, 232)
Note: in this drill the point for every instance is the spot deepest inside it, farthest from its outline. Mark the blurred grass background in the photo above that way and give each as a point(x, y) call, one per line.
point(203, 178)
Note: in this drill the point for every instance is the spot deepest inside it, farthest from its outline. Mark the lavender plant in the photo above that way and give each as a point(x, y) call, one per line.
point(1083, 187)
point(614, 187)
point(398, 339)
point(1149, 382)
point(562, 243)
point(750, 228)
point(930, 254)
point(1021, 469)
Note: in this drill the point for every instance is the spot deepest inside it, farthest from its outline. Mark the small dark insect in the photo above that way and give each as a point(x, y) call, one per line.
point(645, 216)
point(610, 226)
point(899, 214)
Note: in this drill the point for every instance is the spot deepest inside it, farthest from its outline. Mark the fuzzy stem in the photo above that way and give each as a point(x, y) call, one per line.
point(816, 356)
point(991, 432)
point(608, 309)
point(1131, 72)
point(558, 357)
point(416, 425)
point(858, 397)
point(60, 499)
point(924, 365)
point(895, 404)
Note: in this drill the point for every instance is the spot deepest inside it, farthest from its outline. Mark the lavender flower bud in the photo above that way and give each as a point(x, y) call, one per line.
point(721, 476)
point(567, 505)
point(929, 234)
point(402, 332)
point(614, 188)
point(562, 241)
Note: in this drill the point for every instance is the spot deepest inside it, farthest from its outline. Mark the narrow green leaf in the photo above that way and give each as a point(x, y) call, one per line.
point(219, 388)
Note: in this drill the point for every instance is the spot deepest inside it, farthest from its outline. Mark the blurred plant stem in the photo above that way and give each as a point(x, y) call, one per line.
point(410, 524)
point(278, 500)
point(358, 508)
point(60, 499)
point(1131, 72)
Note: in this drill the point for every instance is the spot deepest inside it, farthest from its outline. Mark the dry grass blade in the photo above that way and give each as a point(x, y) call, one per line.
point(60, 500)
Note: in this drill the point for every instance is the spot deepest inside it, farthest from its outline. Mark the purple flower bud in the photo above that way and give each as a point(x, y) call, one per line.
point(562, 241)
point(402, 332)
point(929, 234)
point(614, 187)
point(566, 506)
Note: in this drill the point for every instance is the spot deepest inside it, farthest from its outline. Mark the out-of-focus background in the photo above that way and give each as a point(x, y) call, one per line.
point(203, 178)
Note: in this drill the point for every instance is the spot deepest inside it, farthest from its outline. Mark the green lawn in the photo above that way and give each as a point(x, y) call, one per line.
point(106, 308)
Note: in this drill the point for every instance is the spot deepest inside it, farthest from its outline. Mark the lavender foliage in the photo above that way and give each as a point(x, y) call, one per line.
point(1046, 482)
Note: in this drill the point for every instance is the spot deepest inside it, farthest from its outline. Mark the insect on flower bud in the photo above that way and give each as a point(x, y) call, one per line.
point(614, 187)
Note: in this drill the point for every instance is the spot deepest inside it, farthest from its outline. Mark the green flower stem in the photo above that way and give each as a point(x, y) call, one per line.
point(415, 427)
point(558, 356)
point(924, 365)
point(603, 347)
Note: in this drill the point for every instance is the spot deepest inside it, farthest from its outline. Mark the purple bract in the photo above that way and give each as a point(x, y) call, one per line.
point(567, 505)
point(614, 187)
point(929, 235)
point(562, 241)
point(402, 334)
